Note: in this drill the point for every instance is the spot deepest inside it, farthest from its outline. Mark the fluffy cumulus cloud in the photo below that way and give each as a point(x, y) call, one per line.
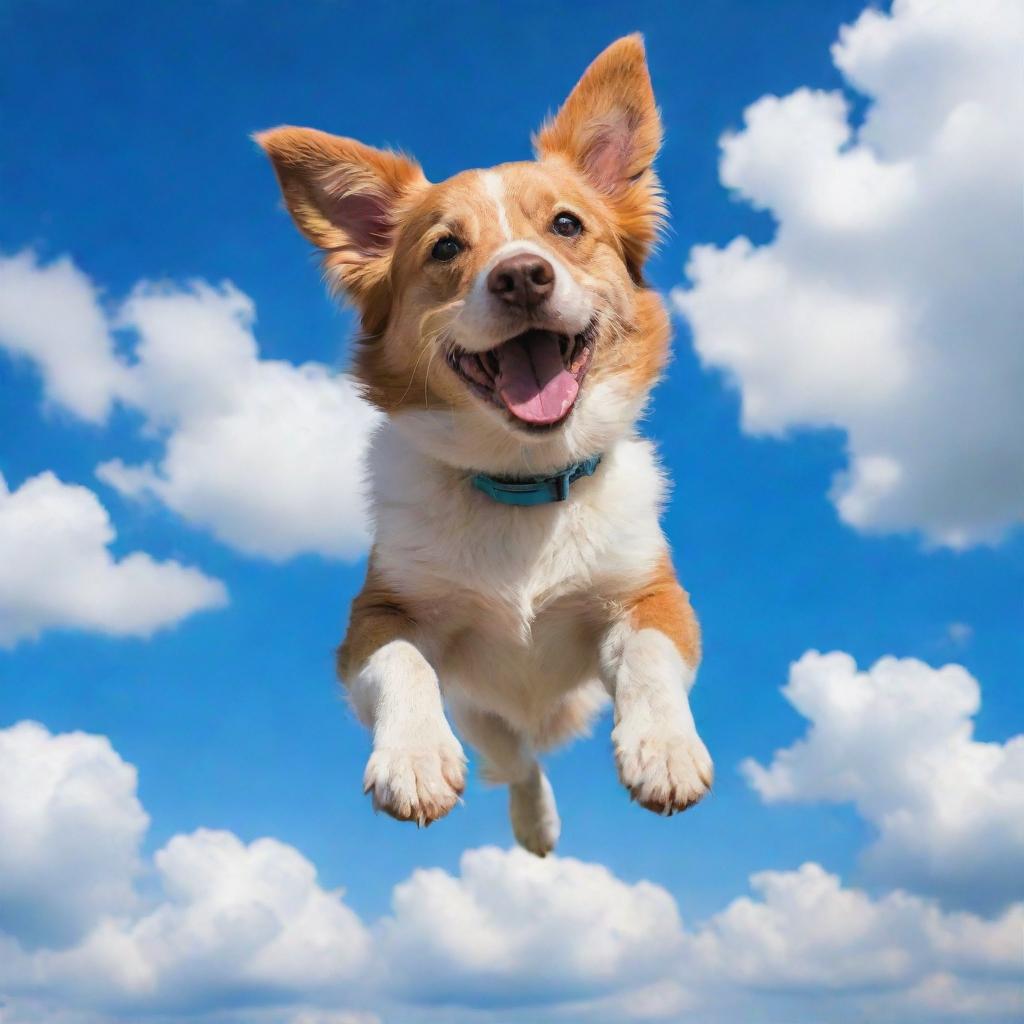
point(218, 929)
point(890, 301)
point(235, 922)
point(803, 930)
point(56, 569)
point(897, 741)
point(264, 454)
point(71, 824)
point(513, 932)
point(511, 926)
point(218, 923)
point(803, 938)
point(52, 316)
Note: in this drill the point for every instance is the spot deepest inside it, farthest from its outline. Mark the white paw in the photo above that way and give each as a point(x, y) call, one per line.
point(418, 778)
point(664, 765)
point(535, 821)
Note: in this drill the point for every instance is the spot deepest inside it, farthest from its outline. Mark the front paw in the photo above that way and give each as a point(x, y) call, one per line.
point(417, 780)
point(665, 767)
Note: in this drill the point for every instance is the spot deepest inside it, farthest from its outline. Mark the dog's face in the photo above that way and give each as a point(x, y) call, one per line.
point(509, 298)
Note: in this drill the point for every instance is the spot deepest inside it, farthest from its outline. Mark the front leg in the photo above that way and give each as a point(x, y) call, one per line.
point(417, 770)
point(649, 661)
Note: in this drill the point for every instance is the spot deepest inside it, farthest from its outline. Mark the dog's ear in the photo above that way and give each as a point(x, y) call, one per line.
point(610, 131)
point(345, 198)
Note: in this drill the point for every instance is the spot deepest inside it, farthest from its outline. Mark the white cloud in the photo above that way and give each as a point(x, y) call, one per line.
point(889, 303)
point(515, 932)
point(513, 928)
point(56, 569)
point(944, 997)
point(235, 922)
point(803, 948)
point(219, 923)
point(53, 316)
point(805, 931)
point(217, 929)
point(264, 454)
point(897, 741)
point(71, 825)
point(669, 999)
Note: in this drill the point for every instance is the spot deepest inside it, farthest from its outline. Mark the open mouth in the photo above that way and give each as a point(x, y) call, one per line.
point(535, 376)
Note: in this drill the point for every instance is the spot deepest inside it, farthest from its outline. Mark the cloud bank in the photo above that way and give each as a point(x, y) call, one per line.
point(214, 928)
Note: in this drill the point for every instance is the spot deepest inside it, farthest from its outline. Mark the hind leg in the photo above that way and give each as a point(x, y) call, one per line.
point(507, 758)
point(534, 814)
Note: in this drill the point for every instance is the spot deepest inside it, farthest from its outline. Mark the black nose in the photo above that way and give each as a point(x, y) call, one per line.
point(523, 281)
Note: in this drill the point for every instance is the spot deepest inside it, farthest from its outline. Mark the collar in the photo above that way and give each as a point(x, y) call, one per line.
point(535, 490)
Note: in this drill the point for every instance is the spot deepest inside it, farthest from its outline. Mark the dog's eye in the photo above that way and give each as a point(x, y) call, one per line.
point(566, 225)
point(446, 249)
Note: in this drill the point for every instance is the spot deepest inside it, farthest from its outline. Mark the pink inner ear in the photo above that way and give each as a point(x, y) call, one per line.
point(364, 217)
point(608, 156)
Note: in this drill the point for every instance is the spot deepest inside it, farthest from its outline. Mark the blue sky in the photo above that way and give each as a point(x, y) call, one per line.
point(127, 150)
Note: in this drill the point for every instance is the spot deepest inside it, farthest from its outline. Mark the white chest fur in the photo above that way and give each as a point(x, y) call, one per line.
point(512, 601)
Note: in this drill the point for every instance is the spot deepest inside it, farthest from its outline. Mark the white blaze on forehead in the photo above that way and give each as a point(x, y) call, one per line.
point(495, 189)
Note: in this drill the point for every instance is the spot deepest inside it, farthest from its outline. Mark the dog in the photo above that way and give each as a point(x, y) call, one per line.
point(518, 575)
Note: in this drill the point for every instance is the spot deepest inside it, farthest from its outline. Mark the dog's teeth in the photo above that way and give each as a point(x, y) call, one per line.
point(473, 367)
point(580, 360)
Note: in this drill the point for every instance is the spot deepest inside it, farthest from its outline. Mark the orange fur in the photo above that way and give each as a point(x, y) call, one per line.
point(609, 130)
point(404, 301)
point(317, 173)
point(664, 605)
point(377, 617)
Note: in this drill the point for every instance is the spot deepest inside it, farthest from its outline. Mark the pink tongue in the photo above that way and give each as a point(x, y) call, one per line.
point(532, 379)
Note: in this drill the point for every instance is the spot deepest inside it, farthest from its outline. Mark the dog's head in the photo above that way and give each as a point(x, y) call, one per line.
point(511, 299)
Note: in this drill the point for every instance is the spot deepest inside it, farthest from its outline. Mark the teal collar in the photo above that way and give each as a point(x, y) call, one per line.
point(535, 490)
